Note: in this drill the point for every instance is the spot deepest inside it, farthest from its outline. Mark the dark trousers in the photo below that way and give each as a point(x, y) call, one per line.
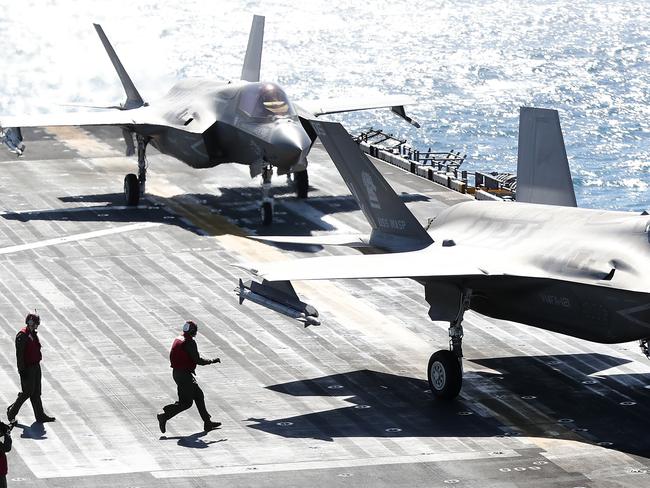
point(3, 481)
point(30, 384)
point(189, 392)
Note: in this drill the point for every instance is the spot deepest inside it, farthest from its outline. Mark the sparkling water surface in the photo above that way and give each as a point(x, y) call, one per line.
point(470, 65)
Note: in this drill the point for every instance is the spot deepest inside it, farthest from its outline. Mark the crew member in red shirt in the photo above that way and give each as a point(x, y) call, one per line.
point(5, 446)
point(184, 357)
point(28, 360)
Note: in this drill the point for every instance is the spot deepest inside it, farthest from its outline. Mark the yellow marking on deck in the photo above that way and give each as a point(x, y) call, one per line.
point(81, 141)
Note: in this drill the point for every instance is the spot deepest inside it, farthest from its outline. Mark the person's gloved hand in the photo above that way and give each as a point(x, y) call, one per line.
point(216, 360)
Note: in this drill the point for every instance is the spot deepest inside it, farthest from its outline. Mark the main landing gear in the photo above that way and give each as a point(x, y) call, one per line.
point(300, 180)
point(134, 186)
point(445, 370)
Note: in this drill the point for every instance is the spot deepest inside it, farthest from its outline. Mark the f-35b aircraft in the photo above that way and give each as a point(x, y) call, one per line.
point(205, 123)
point(540, 261)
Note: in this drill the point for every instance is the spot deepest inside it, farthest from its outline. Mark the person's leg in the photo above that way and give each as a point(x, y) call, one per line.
point(3, 481)
point(27, 383)
point(35, 397)
point(184, 386)
point(199, 399)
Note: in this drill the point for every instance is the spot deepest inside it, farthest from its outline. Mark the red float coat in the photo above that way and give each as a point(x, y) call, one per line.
point(179, 357)
point(30, 352)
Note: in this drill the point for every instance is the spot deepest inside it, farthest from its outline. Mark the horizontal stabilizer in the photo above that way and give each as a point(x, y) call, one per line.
point(355, 241)
point(543, 174)
point(253, 59)
point(133, 98)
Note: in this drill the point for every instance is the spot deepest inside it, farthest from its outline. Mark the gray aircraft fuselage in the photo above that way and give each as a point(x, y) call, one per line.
point(581, 272)
point(223, 123)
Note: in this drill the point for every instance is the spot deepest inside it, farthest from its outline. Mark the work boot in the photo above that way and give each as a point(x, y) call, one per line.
point(162, 422)
point(210, 425)
point(44, 419)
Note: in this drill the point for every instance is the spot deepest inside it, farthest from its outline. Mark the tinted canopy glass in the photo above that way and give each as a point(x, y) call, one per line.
point(265, 100)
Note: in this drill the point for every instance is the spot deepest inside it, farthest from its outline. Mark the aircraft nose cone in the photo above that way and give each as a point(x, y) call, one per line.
point(291, 145)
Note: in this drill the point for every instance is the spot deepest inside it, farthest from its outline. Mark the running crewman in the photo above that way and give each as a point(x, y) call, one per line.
point(184, 357)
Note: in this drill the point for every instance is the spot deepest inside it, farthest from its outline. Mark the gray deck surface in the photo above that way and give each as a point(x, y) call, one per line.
point(343, 404)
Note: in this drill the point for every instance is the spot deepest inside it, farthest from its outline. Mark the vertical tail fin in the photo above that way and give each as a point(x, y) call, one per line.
point(133, 98)
point(253, 59)
point(543, 174)
point(393, 225)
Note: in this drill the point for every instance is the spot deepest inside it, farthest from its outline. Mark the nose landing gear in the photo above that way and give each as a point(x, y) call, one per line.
point(266, 209)
point(301, 180)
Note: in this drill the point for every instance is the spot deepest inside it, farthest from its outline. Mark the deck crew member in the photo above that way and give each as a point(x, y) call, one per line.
point(5, 447)
point(28, 360)
point(184, 357)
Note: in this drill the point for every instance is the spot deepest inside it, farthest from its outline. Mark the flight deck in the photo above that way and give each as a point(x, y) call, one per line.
point(342, 404)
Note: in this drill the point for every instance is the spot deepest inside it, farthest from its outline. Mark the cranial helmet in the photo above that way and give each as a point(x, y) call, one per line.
point(32, 320)
point(190, 328)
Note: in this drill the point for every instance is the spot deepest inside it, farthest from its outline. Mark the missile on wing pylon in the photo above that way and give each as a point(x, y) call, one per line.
point(280, 297)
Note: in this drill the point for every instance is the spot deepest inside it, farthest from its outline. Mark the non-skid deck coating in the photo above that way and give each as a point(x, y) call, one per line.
point(343, 404)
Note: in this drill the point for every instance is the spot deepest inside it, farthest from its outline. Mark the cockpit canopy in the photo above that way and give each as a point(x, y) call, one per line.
point(265, 101)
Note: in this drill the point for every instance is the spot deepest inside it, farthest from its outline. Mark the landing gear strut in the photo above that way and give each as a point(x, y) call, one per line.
point(445, 370)
point(301, 179)
point(134, 186)
point(266, 210)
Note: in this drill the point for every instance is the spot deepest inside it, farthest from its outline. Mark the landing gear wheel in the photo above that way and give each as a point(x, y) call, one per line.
point(445, 375)
point(131, 190)
point(266, 211)
point(301, 179)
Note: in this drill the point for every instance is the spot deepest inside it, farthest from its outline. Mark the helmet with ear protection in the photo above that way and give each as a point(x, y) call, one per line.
point(32, 319)
point(189, 327)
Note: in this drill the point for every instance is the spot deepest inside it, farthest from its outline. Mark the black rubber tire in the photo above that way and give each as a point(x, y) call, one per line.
point(445, 375)
point(301, 180)
point(131, 190)
point(266, 212)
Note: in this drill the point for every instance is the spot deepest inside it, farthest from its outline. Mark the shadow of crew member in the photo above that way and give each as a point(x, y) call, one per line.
point(28, 360)
point(184, 357)
point(5, 447)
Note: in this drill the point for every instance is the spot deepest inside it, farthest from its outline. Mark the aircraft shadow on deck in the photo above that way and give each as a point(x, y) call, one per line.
point(390, 405)
point(239, 205)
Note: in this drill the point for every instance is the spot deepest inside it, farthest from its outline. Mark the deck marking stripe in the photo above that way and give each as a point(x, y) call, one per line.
point(334, 463)
point(78, 237)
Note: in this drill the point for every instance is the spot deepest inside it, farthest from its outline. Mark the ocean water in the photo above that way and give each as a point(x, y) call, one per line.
point(470, 65)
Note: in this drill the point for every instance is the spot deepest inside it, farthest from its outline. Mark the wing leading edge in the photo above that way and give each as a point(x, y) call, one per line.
point(430, 262)
point(337, 105)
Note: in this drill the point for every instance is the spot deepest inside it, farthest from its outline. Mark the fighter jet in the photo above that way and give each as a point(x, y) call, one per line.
point(540, 261)
point(204, 123)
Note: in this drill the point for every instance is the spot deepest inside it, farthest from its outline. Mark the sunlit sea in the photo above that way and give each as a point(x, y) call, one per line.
point(470, 65)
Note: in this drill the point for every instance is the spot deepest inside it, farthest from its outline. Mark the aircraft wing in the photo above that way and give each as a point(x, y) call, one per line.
point(430, 262)
point(337, 105)
point(348, 240)
point(106, 117)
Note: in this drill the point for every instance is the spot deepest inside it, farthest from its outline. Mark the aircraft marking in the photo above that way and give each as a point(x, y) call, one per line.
point(371, 190)
point(629, 313)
